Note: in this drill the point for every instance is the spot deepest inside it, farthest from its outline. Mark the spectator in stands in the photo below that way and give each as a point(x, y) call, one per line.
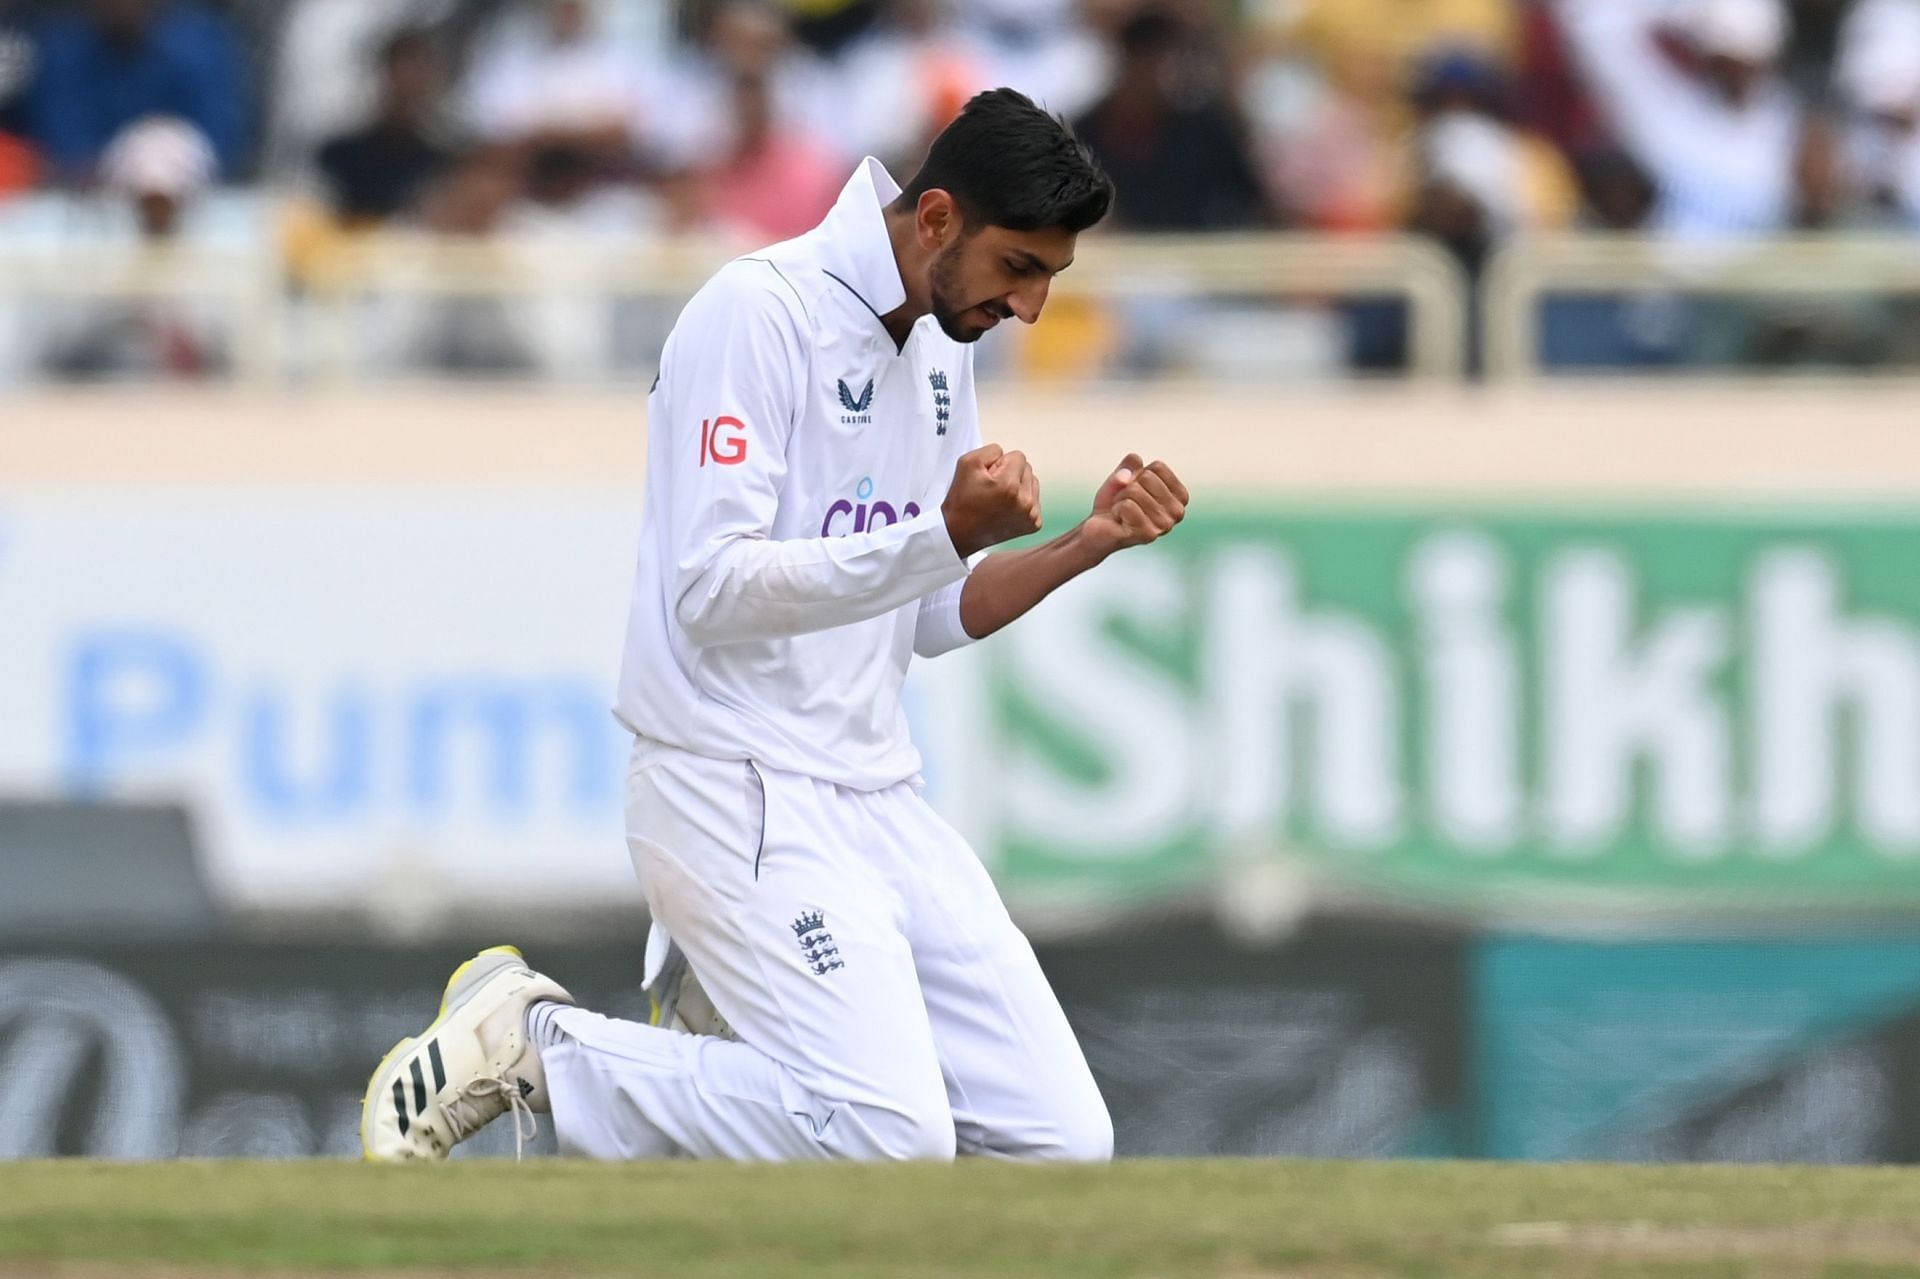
point(1731, 151)
point(379, 171)
point(17, 57)
point(828, 27)
point(744, 42)
point(1054, 51)
point(1879, 82)
point(778, 179)
point(1550, 93)
point(326, 77)
point(559, 81)
point(1702, 110)
point(113, 62)
point(1619, 196)
point(482, 335)
point(1176, 150)
point(1326, 159)
point(159, 166)
point(18, 163)
point(904, 80)
point(1371, 50)
point(1478, 178)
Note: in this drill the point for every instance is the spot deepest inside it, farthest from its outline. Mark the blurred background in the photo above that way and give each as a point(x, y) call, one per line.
point(1516, 754)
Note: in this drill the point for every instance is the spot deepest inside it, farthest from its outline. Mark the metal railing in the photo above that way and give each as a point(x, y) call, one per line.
point(307, 326)
point(286, 325)
point(1525, 272)
point(246, 282)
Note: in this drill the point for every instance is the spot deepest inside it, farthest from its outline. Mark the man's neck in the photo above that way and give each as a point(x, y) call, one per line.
point(909, 261)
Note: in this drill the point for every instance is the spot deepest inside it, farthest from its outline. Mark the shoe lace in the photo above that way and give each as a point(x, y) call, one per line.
point(467, 1112)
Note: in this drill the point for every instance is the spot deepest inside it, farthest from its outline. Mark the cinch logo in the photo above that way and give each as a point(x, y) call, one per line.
point(865, 515)
point(723, 450)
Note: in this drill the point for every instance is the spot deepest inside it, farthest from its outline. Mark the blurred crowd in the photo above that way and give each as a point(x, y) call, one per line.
point(1466, 120)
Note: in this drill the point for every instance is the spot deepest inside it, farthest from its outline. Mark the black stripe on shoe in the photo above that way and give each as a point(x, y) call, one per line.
point(400, 1106)
point(419, 1088)
point(439, 1069)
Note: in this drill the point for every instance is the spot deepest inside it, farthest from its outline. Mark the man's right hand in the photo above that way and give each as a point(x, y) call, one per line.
point(995, 498)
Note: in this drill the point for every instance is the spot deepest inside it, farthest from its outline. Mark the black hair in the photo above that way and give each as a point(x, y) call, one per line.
point(1149, 32)
point(1008, 163)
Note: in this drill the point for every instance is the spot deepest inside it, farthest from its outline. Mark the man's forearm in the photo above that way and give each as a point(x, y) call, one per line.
point(1004, 587)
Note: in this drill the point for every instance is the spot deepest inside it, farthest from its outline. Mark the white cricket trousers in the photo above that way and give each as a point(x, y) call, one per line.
point(886, 1005)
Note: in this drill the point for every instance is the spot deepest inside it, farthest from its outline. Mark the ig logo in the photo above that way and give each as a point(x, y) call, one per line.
point(723, 441)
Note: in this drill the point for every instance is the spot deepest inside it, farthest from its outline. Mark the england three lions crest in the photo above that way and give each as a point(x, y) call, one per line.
point(816, 943)
point(942, 401)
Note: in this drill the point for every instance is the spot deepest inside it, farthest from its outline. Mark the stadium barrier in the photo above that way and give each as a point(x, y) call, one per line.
point(338, 311)
point(1526, 271)
point(1518, 773)
point(341, 311)
point(1348, 1041)
point(50, 293)
point(1339, 1045)
point(1599, 651)
point(1238, 267)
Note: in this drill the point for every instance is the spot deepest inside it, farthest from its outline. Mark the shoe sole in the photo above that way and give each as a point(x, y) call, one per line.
point(439, 1020)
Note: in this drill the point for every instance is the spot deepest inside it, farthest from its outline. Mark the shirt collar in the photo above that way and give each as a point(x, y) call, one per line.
point(856, 250)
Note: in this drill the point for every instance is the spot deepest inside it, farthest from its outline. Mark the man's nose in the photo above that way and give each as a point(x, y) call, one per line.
point(1029, 299)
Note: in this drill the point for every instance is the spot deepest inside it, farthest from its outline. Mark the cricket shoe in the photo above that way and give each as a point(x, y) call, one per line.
point(469, 1067)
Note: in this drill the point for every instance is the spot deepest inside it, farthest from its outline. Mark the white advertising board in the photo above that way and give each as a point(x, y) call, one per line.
point(354, 692)
point(368, 699)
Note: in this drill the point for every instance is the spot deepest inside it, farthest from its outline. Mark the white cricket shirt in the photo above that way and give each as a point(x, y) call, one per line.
point(1719, 169)
point(793, 556)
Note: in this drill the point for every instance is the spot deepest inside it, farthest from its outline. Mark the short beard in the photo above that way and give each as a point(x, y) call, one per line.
point(940, 285)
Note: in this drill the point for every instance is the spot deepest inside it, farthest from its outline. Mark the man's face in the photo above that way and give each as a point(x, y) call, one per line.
point(989, 273)
point(413, 79)
point(158, 214)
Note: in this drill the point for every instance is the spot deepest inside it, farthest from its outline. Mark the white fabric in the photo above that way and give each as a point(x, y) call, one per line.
point(1878, 68)
point(1751, 30)
point(1878, 71)
point(886, 1005)
point(534, 84)
point(1883, 162)
point(159, 155)
point(790, 536)
point(1481, 158)
point(1720, 169)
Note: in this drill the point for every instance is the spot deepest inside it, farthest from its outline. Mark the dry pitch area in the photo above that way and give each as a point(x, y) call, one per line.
point(1233, 1219)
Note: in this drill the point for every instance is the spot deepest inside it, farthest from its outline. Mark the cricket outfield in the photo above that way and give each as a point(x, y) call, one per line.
point(1242, 1220)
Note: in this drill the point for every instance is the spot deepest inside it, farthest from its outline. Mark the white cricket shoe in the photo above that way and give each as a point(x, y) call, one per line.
point(469, 1067)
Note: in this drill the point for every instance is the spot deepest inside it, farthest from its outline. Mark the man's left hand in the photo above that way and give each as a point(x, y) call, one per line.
point(1139, 503)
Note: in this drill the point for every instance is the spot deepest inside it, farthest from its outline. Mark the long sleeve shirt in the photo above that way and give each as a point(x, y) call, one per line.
point(793, 553)
point(188, 64)
point(1719, 168)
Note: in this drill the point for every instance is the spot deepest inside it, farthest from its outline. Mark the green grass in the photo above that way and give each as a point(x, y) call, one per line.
point(1243, 1220)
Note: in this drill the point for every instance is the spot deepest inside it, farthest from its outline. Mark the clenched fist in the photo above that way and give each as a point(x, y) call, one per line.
point(1138, 504)
point(995, 498)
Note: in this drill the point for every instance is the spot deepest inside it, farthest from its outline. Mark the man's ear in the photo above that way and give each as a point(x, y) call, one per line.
point(936, 219)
